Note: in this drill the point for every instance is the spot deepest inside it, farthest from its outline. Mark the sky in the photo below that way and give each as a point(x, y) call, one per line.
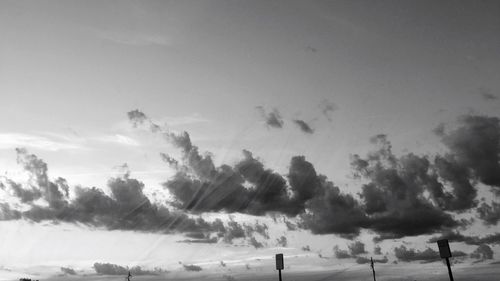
point(173, 135)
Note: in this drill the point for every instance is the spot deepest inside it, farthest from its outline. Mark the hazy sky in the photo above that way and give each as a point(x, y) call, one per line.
point(280, 79)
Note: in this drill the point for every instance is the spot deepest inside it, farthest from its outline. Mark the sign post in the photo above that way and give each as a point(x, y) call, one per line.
point(445, 253)
point(373, 269)
point(279, 264)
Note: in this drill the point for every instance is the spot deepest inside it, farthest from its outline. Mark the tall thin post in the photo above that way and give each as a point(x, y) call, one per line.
point(449, 269)
point(373, 269)
point(279, 273)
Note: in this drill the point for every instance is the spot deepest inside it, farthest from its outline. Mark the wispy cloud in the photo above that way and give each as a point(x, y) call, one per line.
point(119, 139)
point(13, 140)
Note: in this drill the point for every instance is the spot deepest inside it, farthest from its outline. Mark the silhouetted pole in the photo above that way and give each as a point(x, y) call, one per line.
point(279, 264)
point(449, 269)
point(445, 253)
point(373, 269)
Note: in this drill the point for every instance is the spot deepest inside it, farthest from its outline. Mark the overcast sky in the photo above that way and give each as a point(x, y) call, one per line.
point(354, 120)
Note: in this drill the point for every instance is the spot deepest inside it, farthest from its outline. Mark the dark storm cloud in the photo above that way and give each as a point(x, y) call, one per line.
point(303, 126)
point(475, 145)
point(404, 196)
point(490, 214)
point(332, 211)
point(404, 254)
point(394, 195)
point(273, 119)
point(482, 252)
point(463, 193)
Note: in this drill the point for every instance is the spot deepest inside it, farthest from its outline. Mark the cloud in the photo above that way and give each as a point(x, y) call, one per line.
point(13, 140)
point(273, 119)
point(303, 126)
point(114, 269)
point(256, 244)
point(327, 108)
point(475, 145)
point(192, 267)
point(394, 195)
point(110, 269)
point(408, 255)
point(282, 241)
point(356, 248)
point(119, 139)
point(364, 260)
point(487, 95)
point(68, 271)
point(490, 214)
point(341, 254)
point(454, 236)
point(482, 252)
point(126, 208)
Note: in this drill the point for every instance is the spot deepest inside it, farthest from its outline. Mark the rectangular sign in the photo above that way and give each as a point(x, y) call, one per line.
point(444, 248)
point(279, 262)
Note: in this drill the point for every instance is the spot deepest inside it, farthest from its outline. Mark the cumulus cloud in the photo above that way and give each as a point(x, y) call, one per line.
point(357, 248)
point(282, 241)
point(404, 254)
point(341, 254)
point(490, 214)
point(482, 252)
point(114, 269)
point(273, 119)
point(110, 269)
point(394, 195)
point(475, 144)
point(68, 271)
point(303, 126)
point(126, 208)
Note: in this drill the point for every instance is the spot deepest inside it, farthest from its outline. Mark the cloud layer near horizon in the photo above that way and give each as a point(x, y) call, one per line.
point(405, 195)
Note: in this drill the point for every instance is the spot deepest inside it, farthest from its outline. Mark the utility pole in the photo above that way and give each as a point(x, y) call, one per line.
point(373, 269)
